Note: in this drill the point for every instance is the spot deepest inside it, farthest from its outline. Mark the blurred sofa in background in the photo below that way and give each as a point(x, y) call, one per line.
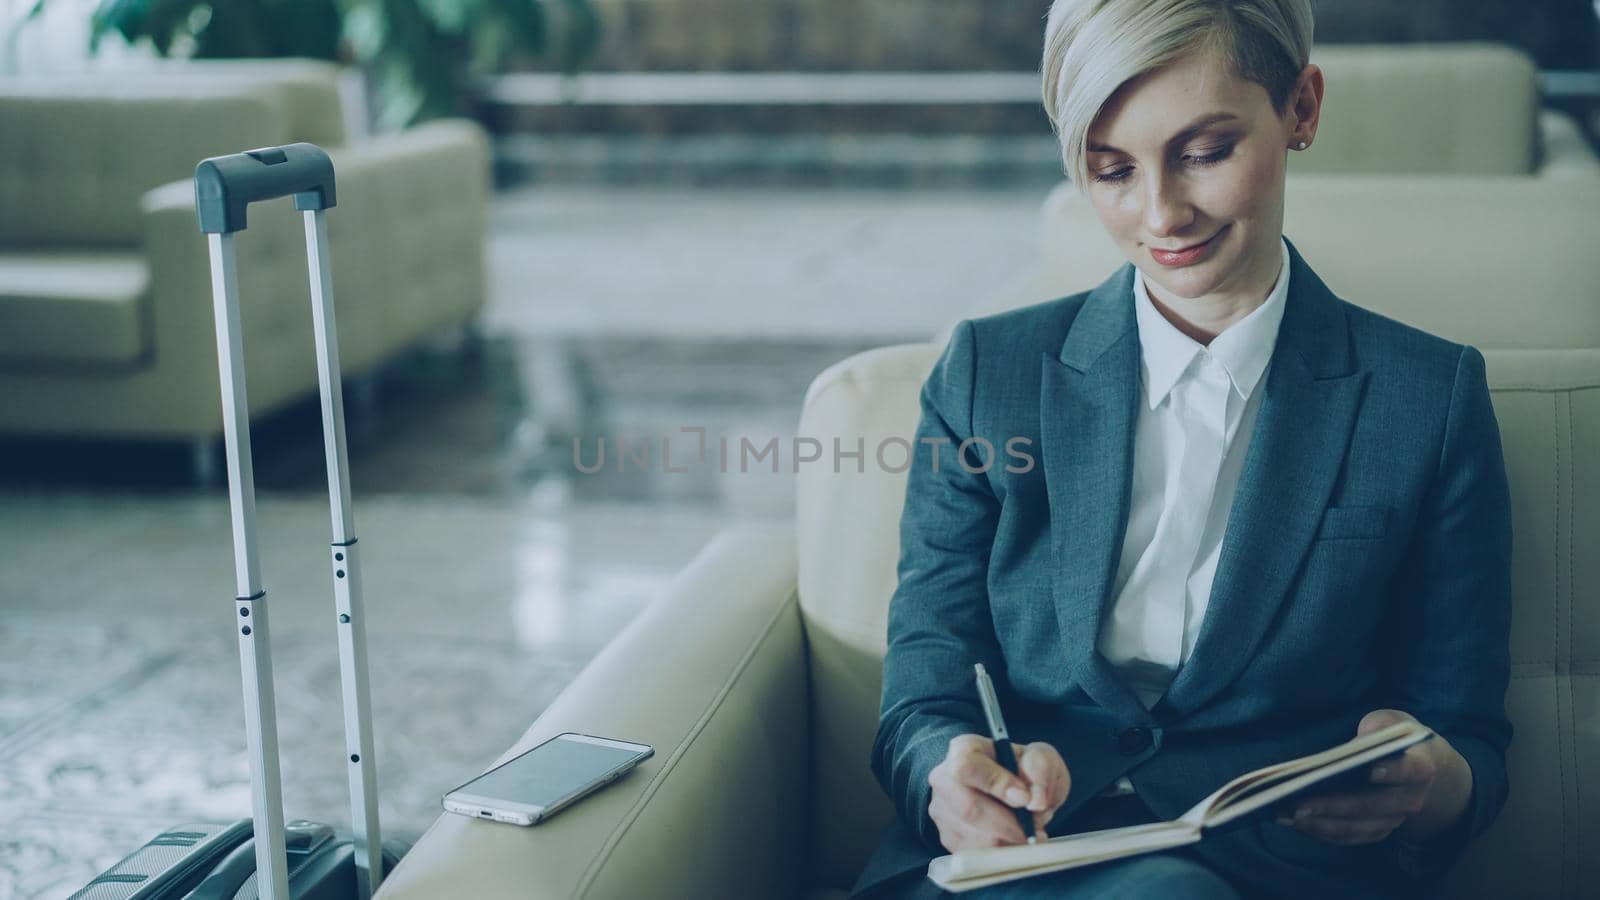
point(763, 707)
point(1435, 178)
point(106, 324)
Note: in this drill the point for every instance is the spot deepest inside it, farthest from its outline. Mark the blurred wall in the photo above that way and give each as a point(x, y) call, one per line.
point(1559, 34)
point(938, 35)
point(812, 35)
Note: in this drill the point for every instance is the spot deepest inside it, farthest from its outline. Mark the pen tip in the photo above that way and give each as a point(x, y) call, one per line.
point(1033, 840)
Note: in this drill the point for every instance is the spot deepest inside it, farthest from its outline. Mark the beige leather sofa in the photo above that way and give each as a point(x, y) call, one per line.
point(757, 676)
point(105, 295)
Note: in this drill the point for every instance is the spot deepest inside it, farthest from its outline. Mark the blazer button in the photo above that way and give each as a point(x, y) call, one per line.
point(1133, 741)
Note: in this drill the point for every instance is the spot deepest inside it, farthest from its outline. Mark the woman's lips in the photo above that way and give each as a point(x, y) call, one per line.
point(1187, 256)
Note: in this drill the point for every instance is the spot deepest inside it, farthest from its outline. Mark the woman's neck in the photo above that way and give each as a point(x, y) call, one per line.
point(1203, 318)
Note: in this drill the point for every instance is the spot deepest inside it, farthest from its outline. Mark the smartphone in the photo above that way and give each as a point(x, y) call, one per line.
point(1350, 781)
point(536, 785)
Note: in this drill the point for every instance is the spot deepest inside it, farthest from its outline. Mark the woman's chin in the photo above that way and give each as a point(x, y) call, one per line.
point(1188, 283)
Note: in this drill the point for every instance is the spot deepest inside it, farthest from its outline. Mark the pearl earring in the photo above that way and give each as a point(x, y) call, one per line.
point(1300, 146)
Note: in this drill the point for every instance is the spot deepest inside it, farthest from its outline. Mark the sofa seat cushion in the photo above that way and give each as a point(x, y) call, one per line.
point(73, 308)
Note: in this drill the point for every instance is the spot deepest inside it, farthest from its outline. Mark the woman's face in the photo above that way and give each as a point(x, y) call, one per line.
point(1191, 158)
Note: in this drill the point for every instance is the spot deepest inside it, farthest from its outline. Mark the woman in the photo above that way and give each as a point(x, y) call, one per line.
point(1262, 520)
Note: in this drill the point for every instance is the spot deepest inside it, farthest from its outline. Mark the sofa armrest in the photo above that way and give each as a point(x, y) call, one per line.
point(1563, 150)
point(1036, 284)
point(407, 249)
point(274, 311)
point(412, 228)
point(713, 675)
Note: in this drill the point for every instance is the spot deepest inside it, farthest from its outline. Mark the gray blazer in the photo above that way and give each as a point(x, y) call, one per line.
point(1367, 564)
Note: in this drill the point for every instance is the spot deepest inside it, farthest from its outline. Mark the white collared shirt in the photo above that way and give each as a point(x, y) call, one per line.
point(1194, 426)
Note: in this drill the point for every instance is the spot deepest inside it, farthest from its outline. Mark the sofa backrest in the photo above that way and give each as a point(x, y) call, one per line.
point(1548, 406)
point(79, 151)
point(848, 542)
point(1461, 256)
point(1467, 108)
point(306, 90)
point(1503, 263)
point(75, 160)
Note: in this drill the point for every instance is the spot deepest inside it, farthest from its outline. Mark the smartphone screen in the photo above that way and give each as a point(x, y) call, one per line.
point(549, 772)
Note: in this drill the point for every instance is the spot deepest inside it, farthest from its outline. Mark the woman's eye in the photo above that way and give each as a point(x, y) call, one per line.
point(1192, 159)
point(1208, 159)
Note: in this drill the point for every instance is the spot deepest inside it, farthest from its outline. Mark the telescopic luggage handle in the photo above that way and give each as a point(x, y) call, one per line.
point(224, 187)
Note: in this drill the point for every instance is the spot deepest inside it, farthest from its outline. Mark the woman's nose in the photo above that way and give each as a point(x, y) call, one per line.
point(1167, 210)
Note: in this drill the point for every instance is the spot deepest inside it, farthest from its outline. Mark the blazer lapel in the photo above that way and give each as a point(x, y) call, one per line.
point(1303, 428)
point(1088, 396)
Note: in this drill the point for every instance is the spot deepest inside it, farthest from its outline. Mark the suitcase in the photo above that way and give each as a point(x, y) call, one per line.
point(217, 861)
point(263, 856)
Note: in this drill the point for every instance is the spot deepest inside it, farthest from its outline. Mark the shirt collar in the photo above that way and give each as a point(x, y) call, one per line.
point(1243, 348)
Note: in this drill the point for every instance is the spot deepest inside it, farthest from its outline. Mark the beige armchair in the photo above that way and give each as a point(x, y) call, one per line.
point(105, 298)
point(757, 676)
point(758, 682)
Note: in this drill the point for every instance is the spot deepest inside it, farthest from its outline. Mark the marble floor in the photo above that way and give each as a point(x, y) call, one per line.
point(494, 569)
point(763, 262)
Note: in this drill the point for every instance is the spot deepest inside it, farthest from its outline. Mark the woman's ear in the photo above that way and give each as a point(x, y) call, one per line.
point(1305, 108)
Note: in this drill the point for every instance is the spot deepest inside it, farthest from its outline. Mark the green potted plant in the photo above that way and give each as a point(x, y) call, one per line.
point(424, 58)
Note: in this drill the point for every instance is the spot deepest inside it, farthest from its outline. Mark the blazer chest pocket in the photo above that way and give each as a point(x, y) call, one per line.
point(1353, 523)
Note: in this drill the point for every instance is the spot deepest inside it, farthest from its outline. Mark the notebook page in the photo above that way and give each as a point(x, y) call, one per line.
point(970, 869)
point(1268, 795)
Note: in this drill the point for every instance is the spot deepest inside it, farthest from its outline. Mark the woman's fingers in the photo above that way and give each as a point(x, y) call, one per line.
point(1361, 817)
point(1401, 801)
point(970, 818)
point(970, 796)
point(1047, 776)
point(1415, 766)
point(974, 795)
point(1349, 831)
point(982, 773)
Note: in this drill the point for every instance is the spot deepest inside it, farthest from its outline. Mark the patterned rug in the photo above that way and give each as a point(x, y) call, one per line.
point(95, 763)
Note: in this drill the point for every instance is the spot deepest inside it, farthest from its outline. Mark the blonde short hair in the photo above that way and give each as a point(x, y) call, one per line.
point(1093, 47)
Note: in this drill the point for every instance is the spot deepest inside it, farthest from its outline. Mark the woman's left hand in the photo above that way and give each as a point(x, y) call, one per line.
point(1419, 795)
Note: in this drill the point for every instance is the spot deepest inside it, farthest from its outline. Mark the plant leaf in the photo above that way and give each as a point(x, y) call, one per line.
point(366, 28)
point(449, 16)
point(526, 24)
point(126, 17)
point(581, 36)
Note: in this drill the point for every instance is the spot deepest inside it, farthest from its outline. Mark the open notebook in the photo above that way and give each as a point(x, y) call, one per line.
point(1240, 797)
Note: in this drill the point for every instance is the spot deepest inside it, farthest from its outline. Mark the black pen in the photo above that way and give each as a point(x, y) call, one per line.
point(1002, 743)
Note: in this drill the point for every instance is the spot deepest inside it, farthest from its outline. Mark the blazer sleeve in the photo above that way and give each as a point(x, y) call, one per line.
point(939, 621)
point(1450, 660)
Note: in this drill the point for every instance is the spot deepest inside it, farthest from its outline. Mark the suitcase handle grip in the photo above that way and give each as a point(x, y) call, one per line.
point(224, 186)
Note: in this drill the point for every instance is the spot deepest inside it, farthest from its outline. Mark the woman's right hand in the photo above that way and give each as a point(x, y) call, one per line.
point(974, 796)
